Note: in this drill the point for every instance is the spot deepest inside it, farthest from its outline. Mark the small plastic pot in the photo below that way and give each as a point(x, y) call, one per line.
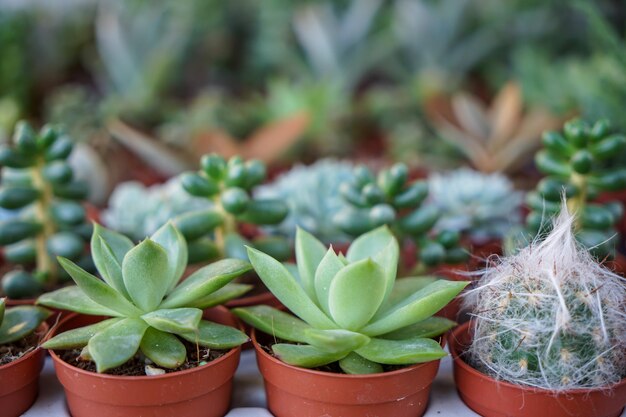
point(491, 398)
point(19, 380)
point(201, 391)
point(293, 391)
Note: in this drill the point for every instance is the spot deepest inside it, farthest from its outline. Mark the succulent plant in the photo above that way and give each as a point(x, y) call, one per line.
point(391, 199)
point(159, 203)
point(351, 309)
point(38, 181)
point(550, 316)
point(313, 196)
point(576, 161)
point(149, 309)
point(19, 322)
point(483, 206)
point(214, 232)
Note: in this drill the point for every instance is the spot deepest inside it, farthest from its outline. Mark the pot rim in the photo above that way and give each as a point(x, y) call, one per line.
point(45, 330)
point(455, 353)
point(379, 375)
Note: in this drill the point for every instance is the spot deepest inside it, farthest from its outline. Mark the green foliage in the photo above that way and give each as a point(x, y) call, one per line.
point(18, 322)
point(39, 185)
point(351, 309)
point(582, 162)
point(151, 311)
point(391, 199)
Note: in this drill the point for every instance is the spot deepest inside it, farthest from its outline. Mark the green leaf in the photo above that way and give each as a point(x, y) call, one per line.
point(418, 307)
point(108, 265)
point(175, 320)
point(119, 244)
point(402, 352)
point(78, 338)
point(326, 271)
point(176, 248)
point(284, 286)
point(356, 364)
point(235, 246)
point(356, 293)
point(146, 274)
point(216, 336)
point(116, 344)
point(309, 254)
point(228, 292)
point(195, 224)
point(431, 327)
point(2, 308)
point(274, 322)
point(305, 356)
point(162, 348)
point(19, 322)
point(335, 340)
point(74, 299)
point(404, 288)
point(99, 291)
point(205, 281)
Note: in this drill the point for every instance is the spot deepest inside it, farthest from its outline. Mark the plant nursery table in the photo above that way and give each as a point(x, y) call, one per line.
point(249, 396)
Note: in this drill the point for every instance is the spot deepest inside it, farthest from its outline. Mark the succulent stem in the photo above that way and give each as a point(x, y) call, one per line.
point(46, 267)
point(576, 204)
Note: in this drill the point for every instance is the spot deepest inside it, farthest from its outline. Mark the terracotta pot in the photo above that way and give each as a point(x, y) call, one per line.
point(202, 391)
point(293, 391)
point(19, 380)
point(491, 398)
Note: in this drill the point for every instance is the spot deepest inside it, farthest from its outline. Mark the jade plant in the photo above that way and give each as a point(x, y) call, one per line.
point(351, 309)
point(391, 199)
point(39, 185)
point(577, 161)
point(148, 309)
point(550, 316)
point(19, 322)
point(215, 231)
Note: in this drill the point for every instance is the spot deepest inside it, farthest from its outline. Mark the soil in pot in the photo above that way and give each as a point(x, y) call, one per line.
point(492, 398)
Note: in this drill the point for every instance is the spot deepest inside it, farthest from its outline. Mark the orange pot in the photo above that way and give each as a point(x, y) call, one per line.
point(202, 391)
point(19, 381)
point(491, 398)
point(293, 391)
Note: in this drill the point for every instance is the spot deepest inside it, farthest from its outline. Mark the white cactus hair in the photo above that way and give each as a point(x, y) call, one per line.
point(550, 316)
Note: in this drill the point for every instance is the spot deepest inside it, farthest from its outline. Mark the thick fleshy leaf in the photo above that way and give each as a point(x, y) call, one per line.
point(326, 271)
point(146, 273)
point(274, 322)
point(119, 244)
point(404, 288)
point(107, 261)
point(402, 352)
point(228, 292)
point(2, 308)
point(117, 343)
point(74, 299)
point(163, 348)
point(305, 356)
point(174, 320)
point(176, 247)
point(431, 327)
point(417, 307)
point(78, 338)
point(280, 282)
point(19, 322)
point(356, 293)
point(356, 364)
point(216, 336)
point(335, 340)
point(99, 291)
point(205, 281)
point(309, 254)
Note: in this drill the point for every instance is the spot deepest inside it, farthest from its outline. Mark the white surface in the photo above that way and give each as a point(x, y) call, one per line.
point(249, 396)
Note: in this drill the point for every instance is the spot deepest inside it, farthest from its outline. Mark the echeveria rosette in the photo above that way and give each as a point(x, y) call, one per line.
point(19, 322)
point(149, 309)
point(391, 199)
point(351, 309)
point(229, 185)
point(577, 162)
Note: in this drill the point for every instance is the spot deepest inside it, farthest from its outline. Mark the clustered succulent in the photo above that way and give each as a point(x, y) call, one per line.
point(351, 309)
point(19, 322)
point(215, 231)
point(149, 310)
point(578, 162)
point(551, 316)
point(39, 185)
point(391, 199)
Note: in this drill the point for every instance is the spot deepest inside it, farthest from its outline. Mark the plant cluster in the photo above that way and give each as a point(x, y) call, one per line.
point(148, 309)
point(39, 184)
point(19, 322)
point(351, 309)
